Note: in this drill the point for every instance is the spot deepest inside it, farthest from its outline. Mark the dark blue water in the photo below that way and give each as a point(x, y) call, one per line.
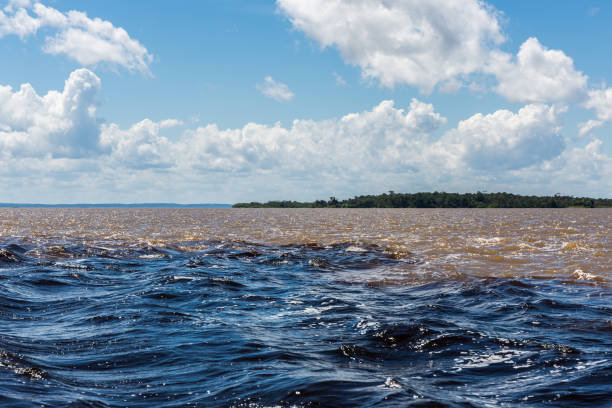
point(244, 325)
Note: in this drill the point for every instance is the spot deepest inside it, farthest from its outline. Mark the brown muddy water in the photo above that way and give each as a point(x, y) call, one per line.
point(442, 243)
point(305, 307)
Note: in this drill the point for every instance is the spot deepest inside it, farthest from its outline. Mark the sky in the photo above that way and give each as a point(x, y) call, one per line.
point(226, 101)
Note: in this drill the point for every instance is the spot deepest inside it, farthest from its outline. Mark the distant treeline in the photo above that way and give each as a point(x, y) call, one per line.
point(441, 200)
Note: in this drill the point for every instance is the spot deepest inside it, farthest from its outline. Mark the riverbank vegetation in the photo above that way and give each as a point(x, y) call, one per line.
point(440, 200)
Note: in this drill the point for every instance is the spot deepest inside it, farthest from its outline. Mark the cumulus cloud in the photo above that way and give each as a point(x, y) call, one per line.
point(56, 140)
point(382, 138)
point(577, 170)
point(588, 164)
point(586, 127)
point(139, 147)
point(275, 90)
point(417, 42)
point(429, 43)
point(17, 21)
point(537, 75)
point(599, 100)
point(88, 41)
point(169, 123)
point(13, 5)
point(59, 124)
point(505, 140)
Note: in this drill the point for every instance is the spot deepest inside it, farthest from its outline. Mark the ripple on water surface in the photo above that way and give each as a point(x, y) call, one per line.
point(258, 308)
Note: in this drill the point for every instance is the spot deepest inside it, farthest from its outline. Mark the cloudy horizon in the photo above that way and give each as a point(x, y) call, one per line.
point(286, 99)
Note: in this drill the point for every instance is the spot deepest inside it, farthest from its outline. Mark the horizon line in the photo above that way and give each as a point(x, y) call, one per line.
point(151, 205)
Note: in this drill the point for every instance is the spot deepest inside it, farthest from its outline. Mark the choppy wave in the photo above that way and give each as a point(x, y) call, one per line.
point(361, 317)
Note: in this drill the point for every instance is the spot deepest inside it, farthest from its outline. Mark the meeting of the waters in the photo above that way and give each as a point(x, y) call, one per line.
point(333, 307)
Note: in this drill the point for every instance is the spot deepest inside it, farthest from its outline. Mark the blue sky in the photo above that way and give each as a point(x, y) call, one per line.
point(225, 101)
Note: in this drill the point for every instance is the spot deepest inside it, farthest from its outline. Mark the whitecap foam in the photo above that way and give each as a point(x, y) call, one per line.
point(184, 278)
point(152, 256)
point(354, 248)
point(486, 241)
point(70, 265)
point(485, 360)
point(582, 275)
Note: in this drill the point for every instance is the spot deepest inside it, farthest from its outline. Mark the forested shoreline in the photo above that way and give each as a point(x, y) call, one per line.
point(441, 200)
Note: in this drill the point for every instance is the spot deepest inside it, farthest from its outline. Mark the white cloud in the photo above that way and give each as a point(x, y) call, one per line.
point(586, 127)
point(451, 86)
point(537, 75)
point(339, 80)
point(417, 42)
point(56, 140)
point(139, 147)
point(429, 43)
point(588, 164)
point(601, 101)
point(275, 90)
point(169, 123)
point(88, 41)
point(383, 138)
point(505, 140)
point(59, 124)
point(16, 4)
point(579, 171)
point(17, 22)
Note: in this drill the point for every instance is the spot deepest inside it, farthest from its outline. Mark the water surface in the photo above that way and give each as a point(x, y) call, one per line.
point(305, 307)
